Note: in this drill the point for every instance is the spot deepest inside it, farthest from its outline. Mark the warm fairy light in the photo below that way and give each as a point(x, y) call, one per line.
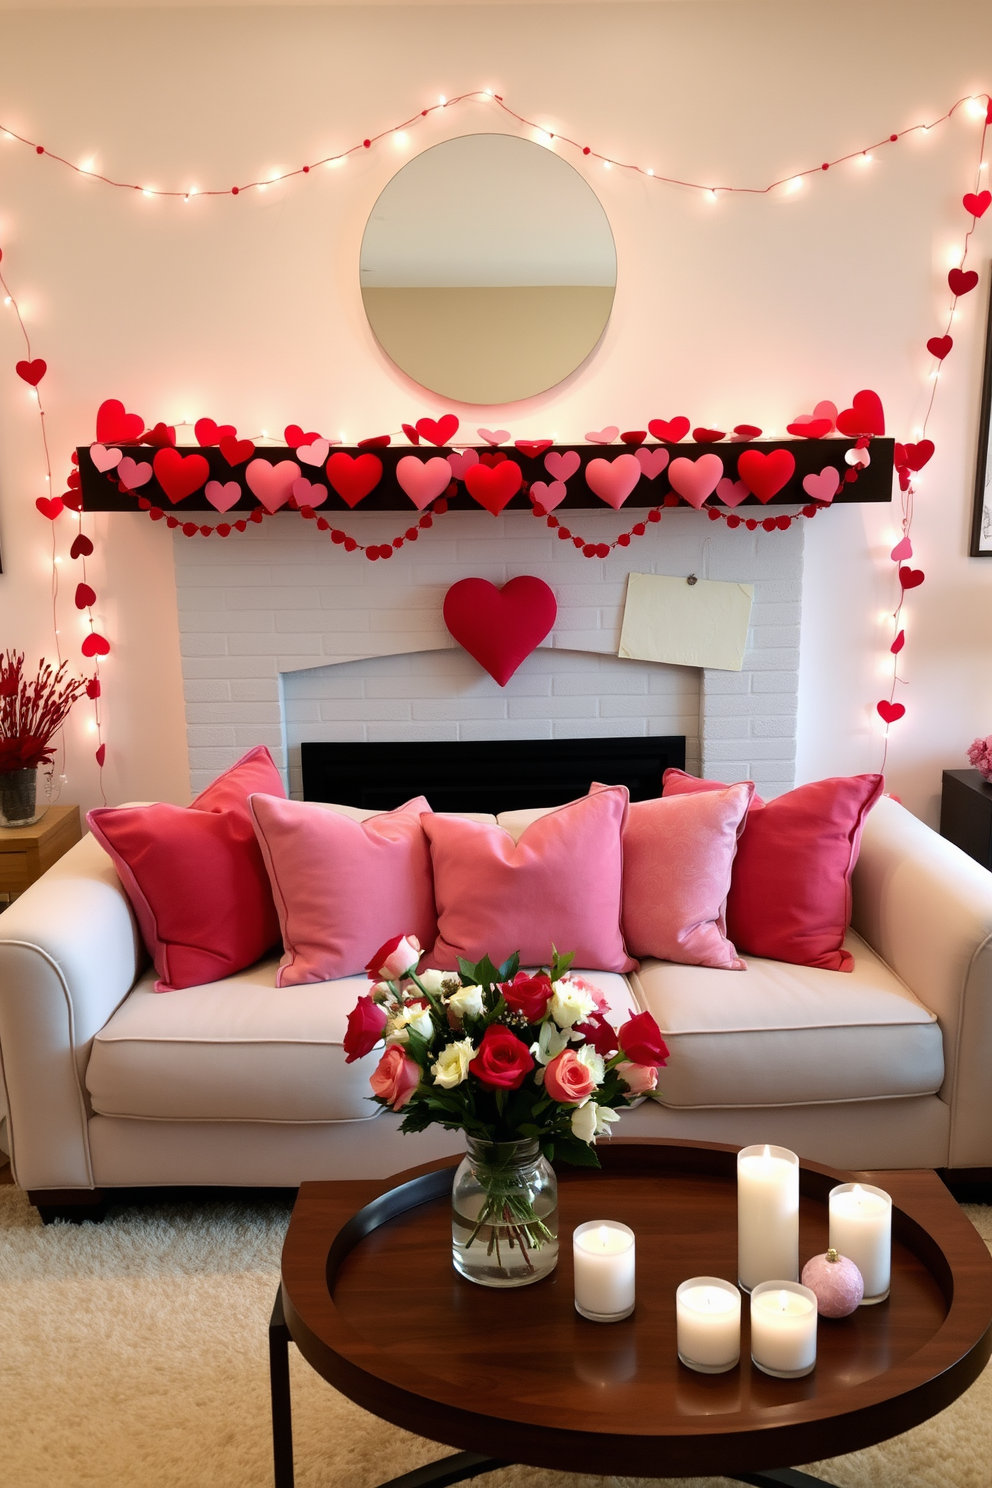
point(711, 195)
point(401, 139)
point(650, 171)
point(953, 258)
point(607, 164)
point(147, 191)
point(795, 184)
point(7, 300)
point(866, 157)
point(336, 161)
point(976, 108)
point(86, 166)
point(984, 165)
point(441, 99)
point(543, 137)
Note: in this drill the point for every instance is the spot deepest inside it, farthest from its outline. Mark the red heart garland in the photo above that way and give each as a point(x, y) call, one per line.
point(295, 436)
point(95, 645)
point(708, 436)
point(82, 547)
point(410, 433)
point(891, 712)
point(114, 426)
point(440, 431)
point(811, 429)
point(208, 433)
point(765, 475)
point(236, 451)
point(911, 578)
point(747, 431)
point(500, 627)
point(93, 688)
point(865, 416)
point(72, 480)
point(50, 506)
point(634, 436)
point(160, 437)
point(179, 475)
point(493, 457)
point(73, 500)
point(669, 431)
point(939, 346)
point(532, 448)
point(85, 596)
point(101, 755)
point(353, 479)
point(377, 441)
point(962, 281)
point(31, 372)
point(977, 204)
point(915, 456)
point(493, 486)
point(898, 643)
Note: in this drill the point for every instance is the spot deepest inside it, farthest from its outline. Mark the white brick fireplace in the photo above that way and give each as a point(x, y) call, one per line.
point(286, 638)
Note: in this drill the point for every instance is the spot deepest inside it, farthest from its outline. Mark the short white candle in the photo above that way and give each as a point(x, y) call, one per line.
point(767, 1215)
point(861, 1229)
point(783, 1328)
point(603, 1255)
point(708, 1316)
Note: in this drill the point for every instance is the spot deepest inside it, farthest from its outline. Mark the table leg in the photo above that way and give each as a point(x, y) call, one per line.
point(282, 1411)
point(448, 1470)
point(779, 1477)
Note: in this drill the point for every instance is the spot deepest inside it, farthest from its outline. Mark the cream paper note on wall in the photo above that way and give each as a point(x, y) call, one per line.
point(702, 624)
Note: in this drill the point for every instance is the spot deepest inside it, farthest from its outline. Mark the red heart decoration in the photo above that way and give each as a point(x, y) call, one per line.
point(747, 431)
point(82, 547)
point(208, 433)
point(95, 645)
point(532, 448)
point(898, 643)
point(114, 426)
point(634, 436)
point(439, 431)
point(811, 428)
point(160, 436)
point(236, 451)
point(72, 480)
point(962, 281)
point(865, 416)
point(708, 436)
point(500, 627)
point(765, 475)
point(377, 441)
point(977, 204)
point(493, 457)
point(179, 475)
point(353, 478)
point(93, 687)
point(410, 433)
point(73, 500)
point(916, 455)
point(50, 506)
point(891, 712)
point(939, 346)
point(295, 436)
point(911, 578)
point(492, 487)
point(31, 372)
point(670, 431)
point(85, 596)
point(101, 755)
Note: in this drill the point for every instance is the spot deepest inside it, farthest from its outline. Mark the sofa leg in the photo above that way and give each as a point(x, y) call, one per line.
point(71, 1204)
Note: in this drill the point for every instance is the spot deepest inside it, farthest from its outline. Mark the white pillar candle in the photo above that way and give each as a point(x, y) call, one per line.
point(783, 1328)
point(767, 1215)
point(708, 1316)
point(861, 1229)
point(603, 1255)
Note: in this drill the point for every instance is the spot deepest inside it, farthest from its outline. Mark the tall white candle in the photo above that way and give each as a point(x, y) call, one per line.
point(861, 1229)
point(708, 1317)
point(767, 1215)
point(783, 1328)
point(603, 1255)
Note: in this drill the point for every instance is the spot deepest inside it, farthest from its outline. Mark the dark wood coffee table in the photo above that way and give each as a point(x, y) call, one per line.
point(372, 1301)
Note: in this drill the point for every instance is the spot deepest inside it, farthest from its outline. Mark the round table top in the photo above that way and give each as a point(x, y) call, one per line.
point(373, 1302)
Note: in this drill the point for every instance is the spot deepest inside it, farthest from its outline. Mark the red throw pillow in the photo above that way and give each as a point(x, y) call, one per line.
point(790, 892)
point(195, 875)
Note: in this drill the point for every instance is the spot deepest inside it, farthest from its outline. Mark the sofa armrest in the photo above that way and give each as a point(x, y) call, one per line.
point(926, 908)
point(69, 954)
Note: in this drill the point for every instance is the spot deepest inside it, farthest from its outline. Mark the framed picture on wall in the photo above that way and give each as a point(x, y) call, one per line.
point(981, 522)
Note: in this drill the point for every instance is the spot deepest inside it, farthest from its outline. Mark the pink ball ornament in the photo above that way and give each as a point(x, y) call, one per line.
point(837, 1282)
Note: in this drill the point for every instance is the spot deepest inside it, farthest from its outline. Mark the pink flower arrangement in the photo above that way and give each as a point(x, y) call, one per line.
point(32, 711)
point(980, 754)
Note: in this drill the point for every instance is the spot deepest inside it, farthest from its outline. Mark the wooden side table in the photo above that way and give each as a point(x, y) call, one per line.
point(25, 852)
point(966, 814)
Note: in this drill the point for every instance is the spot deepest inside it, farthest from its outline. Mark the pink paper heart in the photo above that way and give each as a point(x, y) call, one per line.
point(306, 494)
point(603, 436)
point(651, 461)
point(494, 436)
point(222, 497)
point(731, 493)
point(613, 480)
point(105, 459)
point(272, 484)
point(694, 480)
point(823, 487)
point(134, 473)
point(461, 462)
point(548, 496)
point(826, 410)
point(423, 480)
point(903, 549)
point(316, 453)
point(857, 457)
point(560, 467)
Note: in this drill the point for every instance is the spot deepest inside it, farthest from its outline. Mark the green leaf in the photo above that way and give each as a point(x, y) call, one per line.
point(467, 969)
point(510, 967)
point(579, 1154)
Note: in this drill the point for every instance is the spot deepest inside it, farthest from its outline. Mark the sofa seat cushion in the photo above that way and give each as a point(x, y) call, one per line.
point(781, 1035)
point(246, 1050)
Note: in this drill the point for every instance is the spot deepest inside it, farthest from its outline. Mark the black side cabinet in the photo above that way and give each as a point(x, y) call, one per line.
point(966, 814)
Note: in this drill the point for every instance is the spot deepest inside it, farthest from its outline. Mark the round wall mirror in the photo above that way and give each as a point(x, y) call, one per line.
point(488, 269)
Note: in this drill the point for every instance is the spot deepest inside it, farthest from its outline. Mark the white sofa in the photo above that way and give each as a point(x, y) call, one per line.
point(110, 1085)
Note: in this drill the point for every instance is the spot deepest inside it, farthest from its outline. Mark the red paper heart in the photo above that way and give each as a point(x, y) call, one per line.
point(765, 475)
point(160, 436)
point(82, 547)
point(114, 426)
point(911, 578)
point(353, 478)
point(962, 281)
point(208, 433)
point(236, 451)
point(939, 346)
point(532, 448)
point(50, 506)
point(85, 596)
point(670, 431)
point(747, 431)
point(634, 436)
point(493, 486)
point(898, 643)
point(493, 457)
point(72, 480)
point(101, 755)
point(93, 688)
point(439, 431)
point(31, 372)
point(295, 436)
point(410, 433)
point(708, 436)
point(891, 712)
point(179, 475)
point(916, 455)
point(811, 428)
point(377, 441)
point(865, 416)
point(73, 500)
point(977, 203)
point(95, 645)
point(500, 627)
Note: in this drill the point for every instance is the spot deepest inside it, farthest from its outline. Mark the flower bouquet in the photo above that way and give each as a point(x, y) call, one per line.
point(32, 710)
point(528, 1066)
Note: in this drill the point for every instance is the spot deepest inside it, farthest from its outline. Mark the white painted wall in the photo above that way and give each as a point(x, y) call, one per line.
point(249, 309)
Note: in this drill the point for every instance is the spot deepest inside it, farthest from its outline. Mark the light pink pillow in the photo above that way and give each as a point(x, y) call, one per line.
point(341, 887)
point(676, 876)
point(561, 882)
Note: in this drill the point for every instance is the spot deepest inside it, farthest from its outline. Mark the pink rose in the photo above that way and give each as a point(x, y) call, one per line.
point(394, 959)
point(365, 1024)
point(395, 1078)
point(568, 1080)
point(639, 1078)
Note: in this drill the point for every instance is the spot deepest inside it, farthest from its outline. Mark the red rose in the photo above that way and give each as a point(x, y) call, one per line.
point(602, 1035)
point(395, 1078)
point(502, 1061)
point(528, 996)
point(568, 1080)
point(365, 1024)
point(641, 1041)
point(394, 959)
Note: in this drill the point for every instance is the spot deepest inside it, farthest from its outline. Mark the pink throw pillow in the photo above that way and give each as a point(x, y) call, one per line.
point(341, 887)
point(561, 882)
point(195, 875)
point(677, 859)
point(790, 892)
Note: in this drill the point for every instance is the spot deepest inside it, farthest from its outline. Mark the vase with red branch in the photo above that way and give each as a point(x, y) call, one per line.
point(32, 710)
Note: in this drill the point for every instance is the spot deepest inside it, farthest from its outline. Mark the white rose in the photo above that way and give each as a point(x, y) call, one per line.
point(593, 1062)
point(570, 1003)
point(431, 980)
point(590, 1121)
point(416, 1018)
point(381, 992)
point(467, 1002)
point(452, 1064)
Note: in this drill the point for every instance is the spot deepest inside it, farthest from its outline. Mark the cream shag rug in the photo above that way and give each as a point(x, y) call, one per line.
point(135, 1352)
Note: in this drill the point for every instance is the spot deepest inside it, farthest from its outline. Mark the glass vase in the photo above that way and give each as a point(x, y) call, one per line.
point(18, 798)
point(504, 1214)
